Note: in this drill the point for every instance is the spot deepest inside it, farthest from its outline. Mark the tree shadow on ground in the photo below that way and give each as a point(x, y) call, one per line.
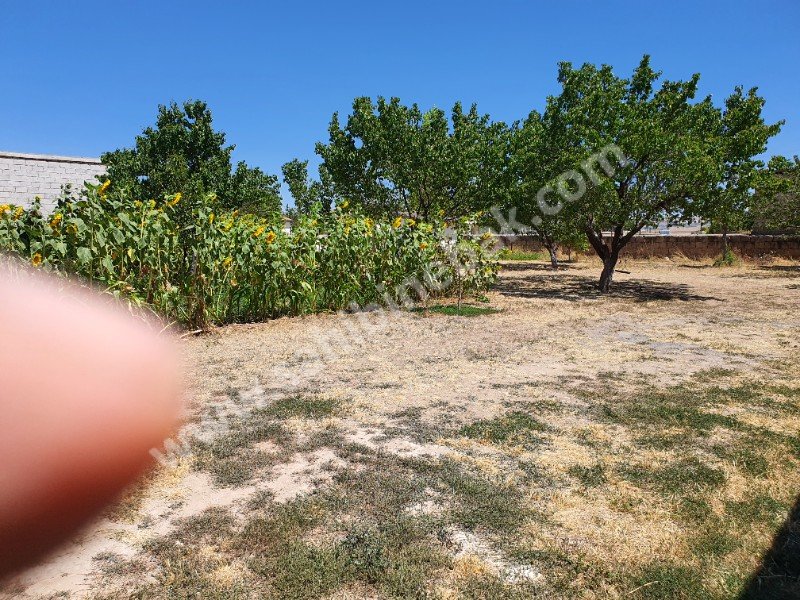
point(778, 577)
point(575, 288)
point(520, 265)
point(771, 272)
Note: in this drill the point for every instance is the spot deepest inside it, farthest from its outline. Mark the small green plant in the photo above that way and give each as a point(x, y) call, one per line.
point(729, 259)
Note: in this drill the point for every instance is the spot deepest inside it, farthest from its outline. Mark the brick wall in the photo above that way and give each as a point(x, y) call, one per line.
point(690, 246)
point(25, 176)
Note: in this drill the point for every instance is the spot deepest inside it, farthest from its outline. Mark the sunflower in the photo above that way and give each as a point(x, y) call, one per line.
point(56, 221)
point(397, 222)
point(36, 259)
point(4, 208)
point(211, 218)
point(227, 262)
point(261, 229)
point(423, 245)
point(175, 200)
point(270, 237)
point(104, 188)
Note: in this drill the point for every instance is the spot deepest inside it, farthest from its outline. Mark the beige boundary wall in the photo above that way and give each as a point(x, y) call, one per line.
point(690, 246)
point(25, 176)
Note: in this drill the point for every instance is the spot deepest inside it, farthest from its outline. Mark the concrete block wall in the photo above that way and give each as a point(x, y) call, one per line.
point(25, 176)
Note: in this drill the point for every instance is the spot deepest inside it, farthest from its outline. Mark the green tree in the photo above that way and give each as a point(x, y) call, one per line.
point(391, 159)
point(538, 157)
point(183, 153)
point(306, 192)
point(665, 144)
point(776, 203)
point(742, 135)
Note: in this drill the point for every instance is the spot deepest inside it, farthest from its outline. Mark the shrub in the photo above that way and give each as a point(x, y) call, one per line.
point(220, 267)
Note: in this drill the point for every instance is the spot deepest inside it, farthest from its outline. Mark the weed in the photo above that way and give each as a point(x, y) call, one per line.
point(662, 580)
point(514, 428)
point(589, 476)
point(680, 477)
point(306, 407)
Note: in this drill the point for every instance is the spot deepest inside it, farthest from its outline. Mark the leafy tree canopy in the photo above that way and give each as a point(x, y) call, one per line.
point(671, 153)
point(538, 156)
point(742, 135)
point(776, 204)
point(307, 193)
point(391, 158)
point(183, 153)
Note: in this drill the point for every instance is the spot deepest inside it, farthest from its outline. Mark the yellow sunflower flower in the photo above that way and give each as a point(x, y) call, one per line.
point(4, 208)
point(56, 221)
point(344, 204)
point(397, 222)
point(259, 231)
point(270, 237)
point(423, 245)
point(175, 200)
point(227, 262)
point(104, 188)
point(211, 218)
point(36, 259)
point(18, 212)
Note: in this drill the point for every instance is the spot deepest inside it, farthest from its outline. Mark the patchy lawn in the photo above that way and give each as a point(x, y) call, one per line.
point(561, 444)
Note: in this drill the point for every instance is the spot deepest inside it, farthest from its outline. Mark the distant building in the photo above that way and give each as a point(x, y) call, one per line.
point(25, 176)
point(691, 227)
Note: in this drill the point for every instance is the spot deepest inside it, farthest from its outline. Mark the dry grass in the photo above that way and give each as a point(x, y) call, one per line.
point(567, 445)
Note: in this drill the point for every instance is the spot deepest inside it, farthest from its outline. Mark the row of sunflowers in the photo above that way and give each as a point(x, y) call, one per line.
point(197, 266)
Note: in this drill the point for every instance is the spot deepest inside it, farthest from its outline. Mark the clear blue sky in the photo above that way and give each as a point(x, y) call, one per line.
point(80, 78)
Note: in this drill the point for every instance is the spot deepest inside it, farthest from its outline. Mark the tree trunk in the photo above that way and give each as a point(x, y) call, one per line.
point(553, 250)
point(609, 264)
point(725, 242)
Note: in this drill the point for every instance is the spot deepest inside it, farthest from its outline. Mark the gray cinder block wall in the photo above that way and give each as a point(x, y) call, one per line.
point(25, 176)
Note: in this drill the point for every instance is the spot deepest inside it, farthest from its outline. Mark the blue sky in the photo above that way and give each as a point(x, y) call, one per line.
point(83, 78)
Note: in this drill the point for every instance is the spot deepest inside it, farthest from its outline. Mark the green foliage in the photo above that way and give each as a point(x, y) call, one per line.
point(742, 134)
point(202, 266)
point(514, 428)
point(306, 193)
point(183, 153)
point(678, 156)
point(728, 259)
point(680, 477)
point(307, 407)
point(776, 204)
point(393, 159)
point(464, 311)
point(539, 155)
